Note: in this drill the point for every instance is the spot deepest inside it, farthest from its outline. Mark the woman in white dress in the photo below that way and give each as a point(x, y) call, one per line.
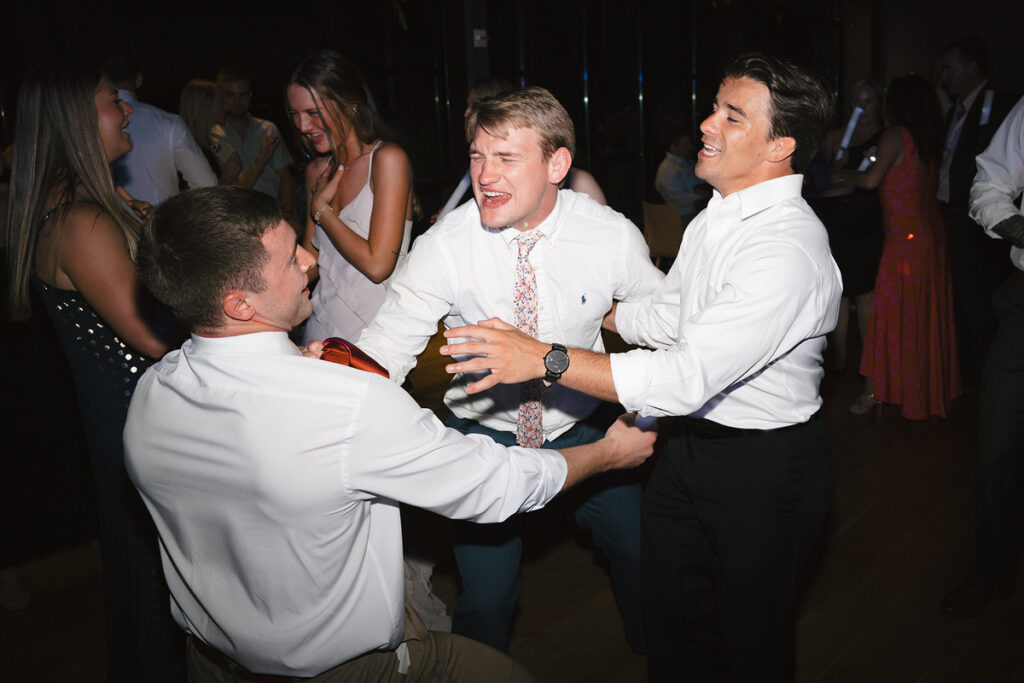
point(358, 191)
point(360, 198)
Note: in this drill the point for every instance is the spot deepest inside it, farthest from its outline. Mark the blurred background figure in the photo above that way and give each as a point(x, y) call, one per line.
point(909, 356)
point(999, 487)
point(202, 107)
point(162, 146)
point(255, 140)
point(977, 264)
point(675, 180)
point(853, 216)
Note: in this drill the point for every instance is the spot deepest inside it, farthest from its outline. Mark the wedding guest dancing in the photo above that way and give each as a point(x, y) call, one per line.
point(556, 260)
point(995, 205)
point(738, 498)
point(275, 478)
point(358, 191)
point(909, 356)
point(73, 240)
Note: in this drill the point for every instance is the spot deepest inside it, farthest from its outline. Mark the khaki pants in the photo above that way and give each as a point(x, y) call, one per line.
point(433, 656)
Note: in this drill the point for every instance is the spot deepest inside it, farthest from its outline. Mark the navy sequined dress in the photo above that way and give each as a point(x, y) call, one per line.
point(144, 643)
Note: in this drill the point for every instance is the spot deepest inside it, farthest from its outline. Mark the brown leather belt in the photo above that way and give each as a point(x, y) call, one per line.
point(232, 667)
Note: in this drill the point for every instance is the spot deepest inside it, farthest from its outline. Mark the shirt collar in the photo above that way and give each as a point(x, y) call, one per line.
point(969, 100)
point(549, 226)
point(757, 198)
point(677, 160)
point(276, 343)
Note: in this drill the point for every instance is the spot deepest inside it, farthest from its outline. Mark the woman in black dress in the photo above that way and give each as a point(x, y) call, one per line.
point(73, 239)
point(854, 219)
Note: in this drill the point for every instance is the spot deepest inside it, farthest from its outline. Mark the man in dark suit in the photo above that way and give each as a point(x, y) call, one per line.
point(978, 264)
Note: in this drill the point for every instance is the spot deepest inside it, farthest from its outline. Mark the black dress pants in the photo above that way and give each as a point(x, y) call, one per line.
point(1000, 476)
point(729, 522)
point(977, 264)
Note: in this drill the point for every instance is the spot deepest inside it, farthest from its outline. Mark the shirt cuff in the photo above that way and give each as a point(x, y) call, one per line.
point(557, 471)
point(630, 372)
point(995, 217)
point(625, 322)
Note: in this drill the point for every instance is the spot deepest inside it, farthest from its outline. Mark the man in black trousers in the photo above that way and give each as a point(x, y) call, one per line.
point(999, 490)
point(738, 498)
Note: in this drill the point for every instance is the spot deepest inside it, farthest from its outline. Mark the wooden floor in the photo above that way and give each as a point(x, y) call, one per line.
point(899, 536)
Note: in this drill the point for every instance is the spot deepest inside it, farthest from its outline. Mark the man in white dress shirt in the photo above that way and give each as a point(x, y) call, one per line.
point(675, 180)
point(162, 146)
point(274, 478)
point(977, 265)
point(257, 141)
point(582, 256)
point(999, 490)
point(738, 327)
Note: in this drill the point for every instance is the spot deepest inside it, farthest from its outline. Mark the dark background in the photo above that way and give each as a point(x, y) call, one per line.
point(622, 69)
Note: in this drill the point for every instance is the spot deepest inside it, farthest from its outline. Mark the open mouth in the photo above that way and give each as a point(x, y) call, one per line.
point(495, 199)
point(708, 150)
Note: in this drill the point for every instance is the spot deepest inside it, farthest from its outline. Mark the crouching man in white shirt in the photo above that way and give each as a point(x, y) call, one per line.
point(274, 478)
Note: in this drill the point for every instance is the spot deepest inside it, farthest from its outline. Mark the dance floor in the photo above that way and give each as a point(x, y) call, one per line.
point(898, 537)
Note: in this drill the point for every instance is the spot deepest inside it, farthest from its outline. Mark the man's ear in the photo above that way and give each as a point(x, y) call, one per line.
point(237, 307)
point(558, 165)
point(781, 149)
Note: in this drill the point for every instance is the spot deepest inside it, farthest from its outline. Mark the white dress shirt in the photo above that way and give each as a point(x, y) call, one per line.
point(462, 272)
point(1000, 178)
point(161, 147)
point(739, 323)
point(274, 482)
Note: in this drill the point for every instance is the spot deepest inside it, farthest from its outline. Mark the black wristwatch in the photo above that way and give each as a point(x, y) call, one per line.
point(556, 362)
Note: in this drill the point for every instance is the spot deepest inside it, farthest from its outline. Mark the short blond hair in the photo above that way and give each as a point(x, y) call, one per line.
point(532, 107)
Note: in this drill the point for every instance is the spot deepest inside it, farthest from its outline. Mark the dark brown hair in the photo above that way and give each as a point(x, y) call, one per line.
point(912, 103)
point(199, 245)
point(801, 106)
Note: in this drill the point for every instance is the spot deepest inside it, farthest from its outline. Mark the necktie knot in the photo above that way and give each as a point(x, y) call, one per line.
point(527, 243)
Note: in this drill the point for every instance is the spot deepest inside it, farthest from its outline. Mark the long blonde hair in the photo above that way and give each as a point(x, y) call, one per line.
point(196, 109)
point(57, 149)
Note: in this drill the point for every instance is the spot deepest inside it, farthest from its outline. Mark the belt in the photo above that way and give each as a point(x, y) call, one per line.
point(706, 429)
point(233, 668)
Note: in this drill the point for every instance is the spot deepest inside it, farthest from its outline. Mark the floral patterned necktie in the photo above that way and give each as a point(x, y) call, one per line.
point(529, 432)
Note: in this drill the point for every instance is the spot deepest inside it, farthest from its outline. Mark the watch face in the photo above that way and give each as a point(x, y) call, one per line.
point(556, 361)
